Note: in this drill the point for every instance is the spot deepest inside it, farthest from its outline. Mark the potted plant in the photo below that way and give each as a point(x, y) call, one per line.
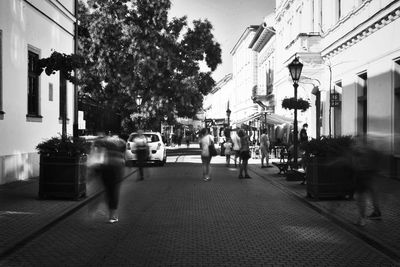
point(328, 167)
point(63, 167)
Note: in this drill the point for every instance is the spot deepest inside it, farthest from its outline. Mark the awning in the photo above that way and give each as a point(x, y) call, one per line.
point(249, 118)
point(278, 119)
point(271, 118)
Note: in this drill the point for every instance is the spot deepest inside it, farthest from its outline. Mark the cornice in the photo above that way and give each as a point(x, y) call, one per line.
point(357, 35)
point(262, 37)
point(347, 17)
point(302, 34)
point(282, 8)
point(221, 83)
point(243, 37)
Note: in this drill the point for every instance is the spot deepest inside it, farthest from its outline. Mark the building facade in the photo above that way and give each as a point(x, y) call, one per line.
point(30, 104)
point(244, 76)
point(350, 51)
point(362, 45)
point(216, 104)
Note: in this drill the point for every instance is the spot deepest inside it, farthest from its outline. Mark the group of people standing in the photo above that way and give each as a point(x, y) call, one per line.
point(237, 144)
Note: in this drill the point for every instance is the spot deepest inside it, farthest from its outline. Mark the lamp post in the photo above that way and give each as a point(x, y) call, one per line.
point(164, 123)
point(228, 114)
point(295, 68)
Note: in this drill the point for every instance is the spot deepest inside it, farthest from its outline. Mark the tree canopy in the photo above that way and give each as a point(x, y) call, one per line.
point(131, 47)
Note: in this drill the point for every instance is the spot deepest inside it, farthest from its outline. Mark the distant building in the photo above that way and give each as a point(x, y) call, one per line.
point(30, 104)
point(244, 77)
point(217, 102)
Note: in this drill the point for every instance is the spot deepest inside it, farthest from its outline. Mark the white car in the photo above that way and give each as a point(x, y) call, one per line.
point(157, 150)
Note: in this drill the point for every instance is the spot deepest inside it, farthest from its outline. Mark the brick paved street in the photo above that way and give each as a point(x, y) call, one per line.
point(173, 218)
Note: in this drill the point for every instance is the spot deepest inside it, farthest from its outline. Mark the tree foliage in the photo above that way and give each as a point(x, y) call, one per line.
point(130, 47)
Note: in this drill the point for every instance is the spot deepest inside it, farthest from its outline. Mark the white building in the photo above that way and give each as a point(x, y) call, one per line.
point(298, 34)
point(351, 51)
point(361, 42)
point(244, 76)
point(217, 102)
point(30, 104)
point(264, 43)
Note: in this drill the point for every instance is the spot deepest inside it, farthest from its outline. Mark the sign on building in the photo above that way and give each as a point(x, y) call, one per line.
point(335, 100)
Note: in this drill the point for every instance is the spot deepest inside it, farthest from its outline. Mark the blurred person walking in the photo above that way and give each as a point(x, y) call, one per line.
point(365, 162)
point(236, 145)
point(109, 166)
point(264, 147)
point(187, 141)
point(244, 154)
point(142, 152)
point(205, 141)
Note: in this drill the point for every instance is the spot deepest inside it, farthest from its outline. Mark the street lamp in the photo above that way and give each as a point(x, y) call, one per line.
point(228, 114)
point(138, 103)
point(139, 100)
point(295, 68)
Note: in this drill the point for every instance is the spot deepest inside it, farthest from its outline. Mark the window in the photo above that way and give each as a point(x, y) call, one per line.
point(1, 74)
point(50, 92)
point(33, 84)
point(270, 76)
point(362, 104)
point(63, 96)
point(339, 9)
point(397, 107)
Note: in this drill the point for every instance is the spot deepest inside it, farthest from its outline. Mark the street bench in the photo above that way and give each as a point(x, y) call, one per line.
point(282, 166)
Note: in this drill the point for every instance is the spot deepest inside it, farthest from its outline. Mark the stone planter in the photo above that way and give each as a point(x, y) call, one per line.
point(62, 176)
point(329, 178)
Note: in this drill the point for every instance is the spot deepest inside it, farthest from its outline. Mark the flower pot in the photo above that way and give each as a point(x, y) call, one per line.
point(62, 176)
point(329, 178)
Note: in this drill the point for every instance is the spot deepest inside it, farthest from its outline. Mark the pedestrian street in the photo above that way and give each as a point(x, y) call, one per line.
point(174, 218)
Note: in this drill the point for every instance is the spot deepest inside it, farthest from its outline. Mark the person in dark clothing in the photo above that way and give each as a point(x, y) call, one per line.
point(110, 150)
point(303, 133)
point(142, 152)
point(365, 162)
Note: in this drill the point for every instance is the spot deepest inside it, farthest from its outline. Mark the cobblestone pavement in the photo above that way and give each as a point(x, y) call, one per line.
point(174, 218)
point(384, 233)
point(22, 214)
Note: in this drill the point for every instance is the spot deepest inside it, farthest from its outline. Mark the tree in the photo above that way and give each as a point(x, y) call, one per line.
point(130, 47)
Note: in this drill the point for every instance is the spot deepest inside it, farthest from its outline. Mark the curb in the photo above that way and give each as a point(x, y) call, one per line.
point(338, 220)
point(62, 216)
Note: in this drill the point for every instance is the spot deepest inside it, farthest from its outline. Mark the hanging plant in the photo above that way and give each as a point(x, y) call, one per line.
point(292, 103)
point(60, 62)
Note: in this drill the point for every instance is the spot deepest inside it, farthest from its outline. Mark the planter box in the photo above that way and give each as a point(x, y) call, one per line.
point(327, 180)
point(62, 177)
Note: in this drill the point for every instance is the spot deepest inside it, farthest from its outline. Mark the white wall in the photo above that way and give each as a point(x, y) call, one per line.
point(24, 26)
point(374, 54)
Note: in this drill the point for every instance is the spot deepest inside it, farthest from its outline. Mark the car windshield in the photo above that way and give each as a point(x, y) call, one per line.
point(150, 137)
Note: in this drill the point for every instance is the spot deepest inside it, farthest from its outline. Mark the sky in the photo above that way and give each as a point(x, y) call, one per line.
point(229, 18)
